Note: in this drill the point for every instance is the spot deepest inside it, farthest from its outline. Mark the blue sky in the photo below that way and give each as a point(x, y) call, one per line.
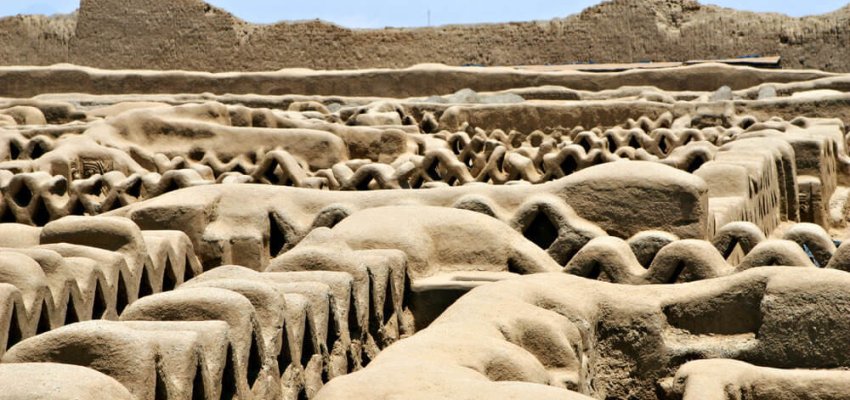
point(381, 13)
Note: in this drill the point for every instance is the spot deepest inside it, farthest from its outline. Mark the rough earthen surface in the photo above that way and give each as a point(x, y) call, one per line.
point(421, 233)
point(189, 34)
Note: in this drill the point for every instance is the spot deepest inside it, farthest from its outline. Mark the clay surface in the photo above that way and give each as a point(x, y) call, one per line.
point(192, 35)
point(664, 232)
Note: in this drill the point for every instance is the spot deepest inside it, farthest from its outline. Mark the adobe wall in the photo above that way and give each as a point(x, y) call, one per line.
point(189, 34)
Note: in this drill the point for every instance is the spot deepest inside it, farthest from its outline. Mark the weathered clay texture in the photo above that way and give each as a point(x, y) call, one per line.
point(192, 35)
point(423, 233)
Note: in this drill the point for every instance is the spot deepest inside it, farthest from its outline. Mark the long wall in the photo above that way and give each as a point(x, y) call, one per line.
point(192, 35)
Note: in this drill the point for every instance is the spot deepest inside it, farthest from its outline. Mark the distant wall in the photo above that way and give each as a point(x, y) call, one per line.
point(418, 81)
point(36, 40)
point(189, 34)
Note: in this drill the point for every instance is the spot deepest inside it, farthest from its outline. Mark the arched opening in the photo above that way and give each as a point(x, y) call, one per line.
point(541, 230)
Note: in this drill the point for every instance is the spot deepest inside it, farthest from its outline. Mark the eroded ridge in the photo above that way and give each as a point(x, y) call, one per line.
point(598, 340)
point(611, 240)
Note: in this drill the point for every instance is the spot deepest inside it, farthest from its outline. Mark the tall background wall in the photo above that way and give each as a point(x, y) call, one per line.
point(192, 35)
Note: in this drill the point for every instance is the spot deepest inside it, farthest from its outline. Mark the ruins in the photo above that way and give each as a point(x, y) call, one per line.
point(205, 225)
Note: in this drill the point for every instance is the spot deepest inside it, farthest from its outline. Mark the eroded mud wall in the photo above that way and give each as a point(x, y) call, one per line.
point(189, 34)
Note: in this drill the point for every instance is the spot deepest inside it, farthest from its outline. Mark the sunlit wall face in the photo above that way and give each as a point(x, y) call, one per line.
point(382, 13)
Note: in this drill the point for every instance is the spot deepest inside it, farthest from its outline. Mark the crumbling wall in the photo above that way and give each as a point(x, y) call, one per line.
point(190, 34)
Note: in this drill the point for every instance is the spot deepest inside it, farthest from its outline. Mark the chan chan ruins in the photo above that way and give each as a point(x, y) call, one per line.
point(195, 207)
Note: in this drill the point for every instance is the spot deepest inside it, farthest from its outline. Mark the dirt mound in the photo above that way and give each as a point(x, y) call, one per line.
point(190, 34)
